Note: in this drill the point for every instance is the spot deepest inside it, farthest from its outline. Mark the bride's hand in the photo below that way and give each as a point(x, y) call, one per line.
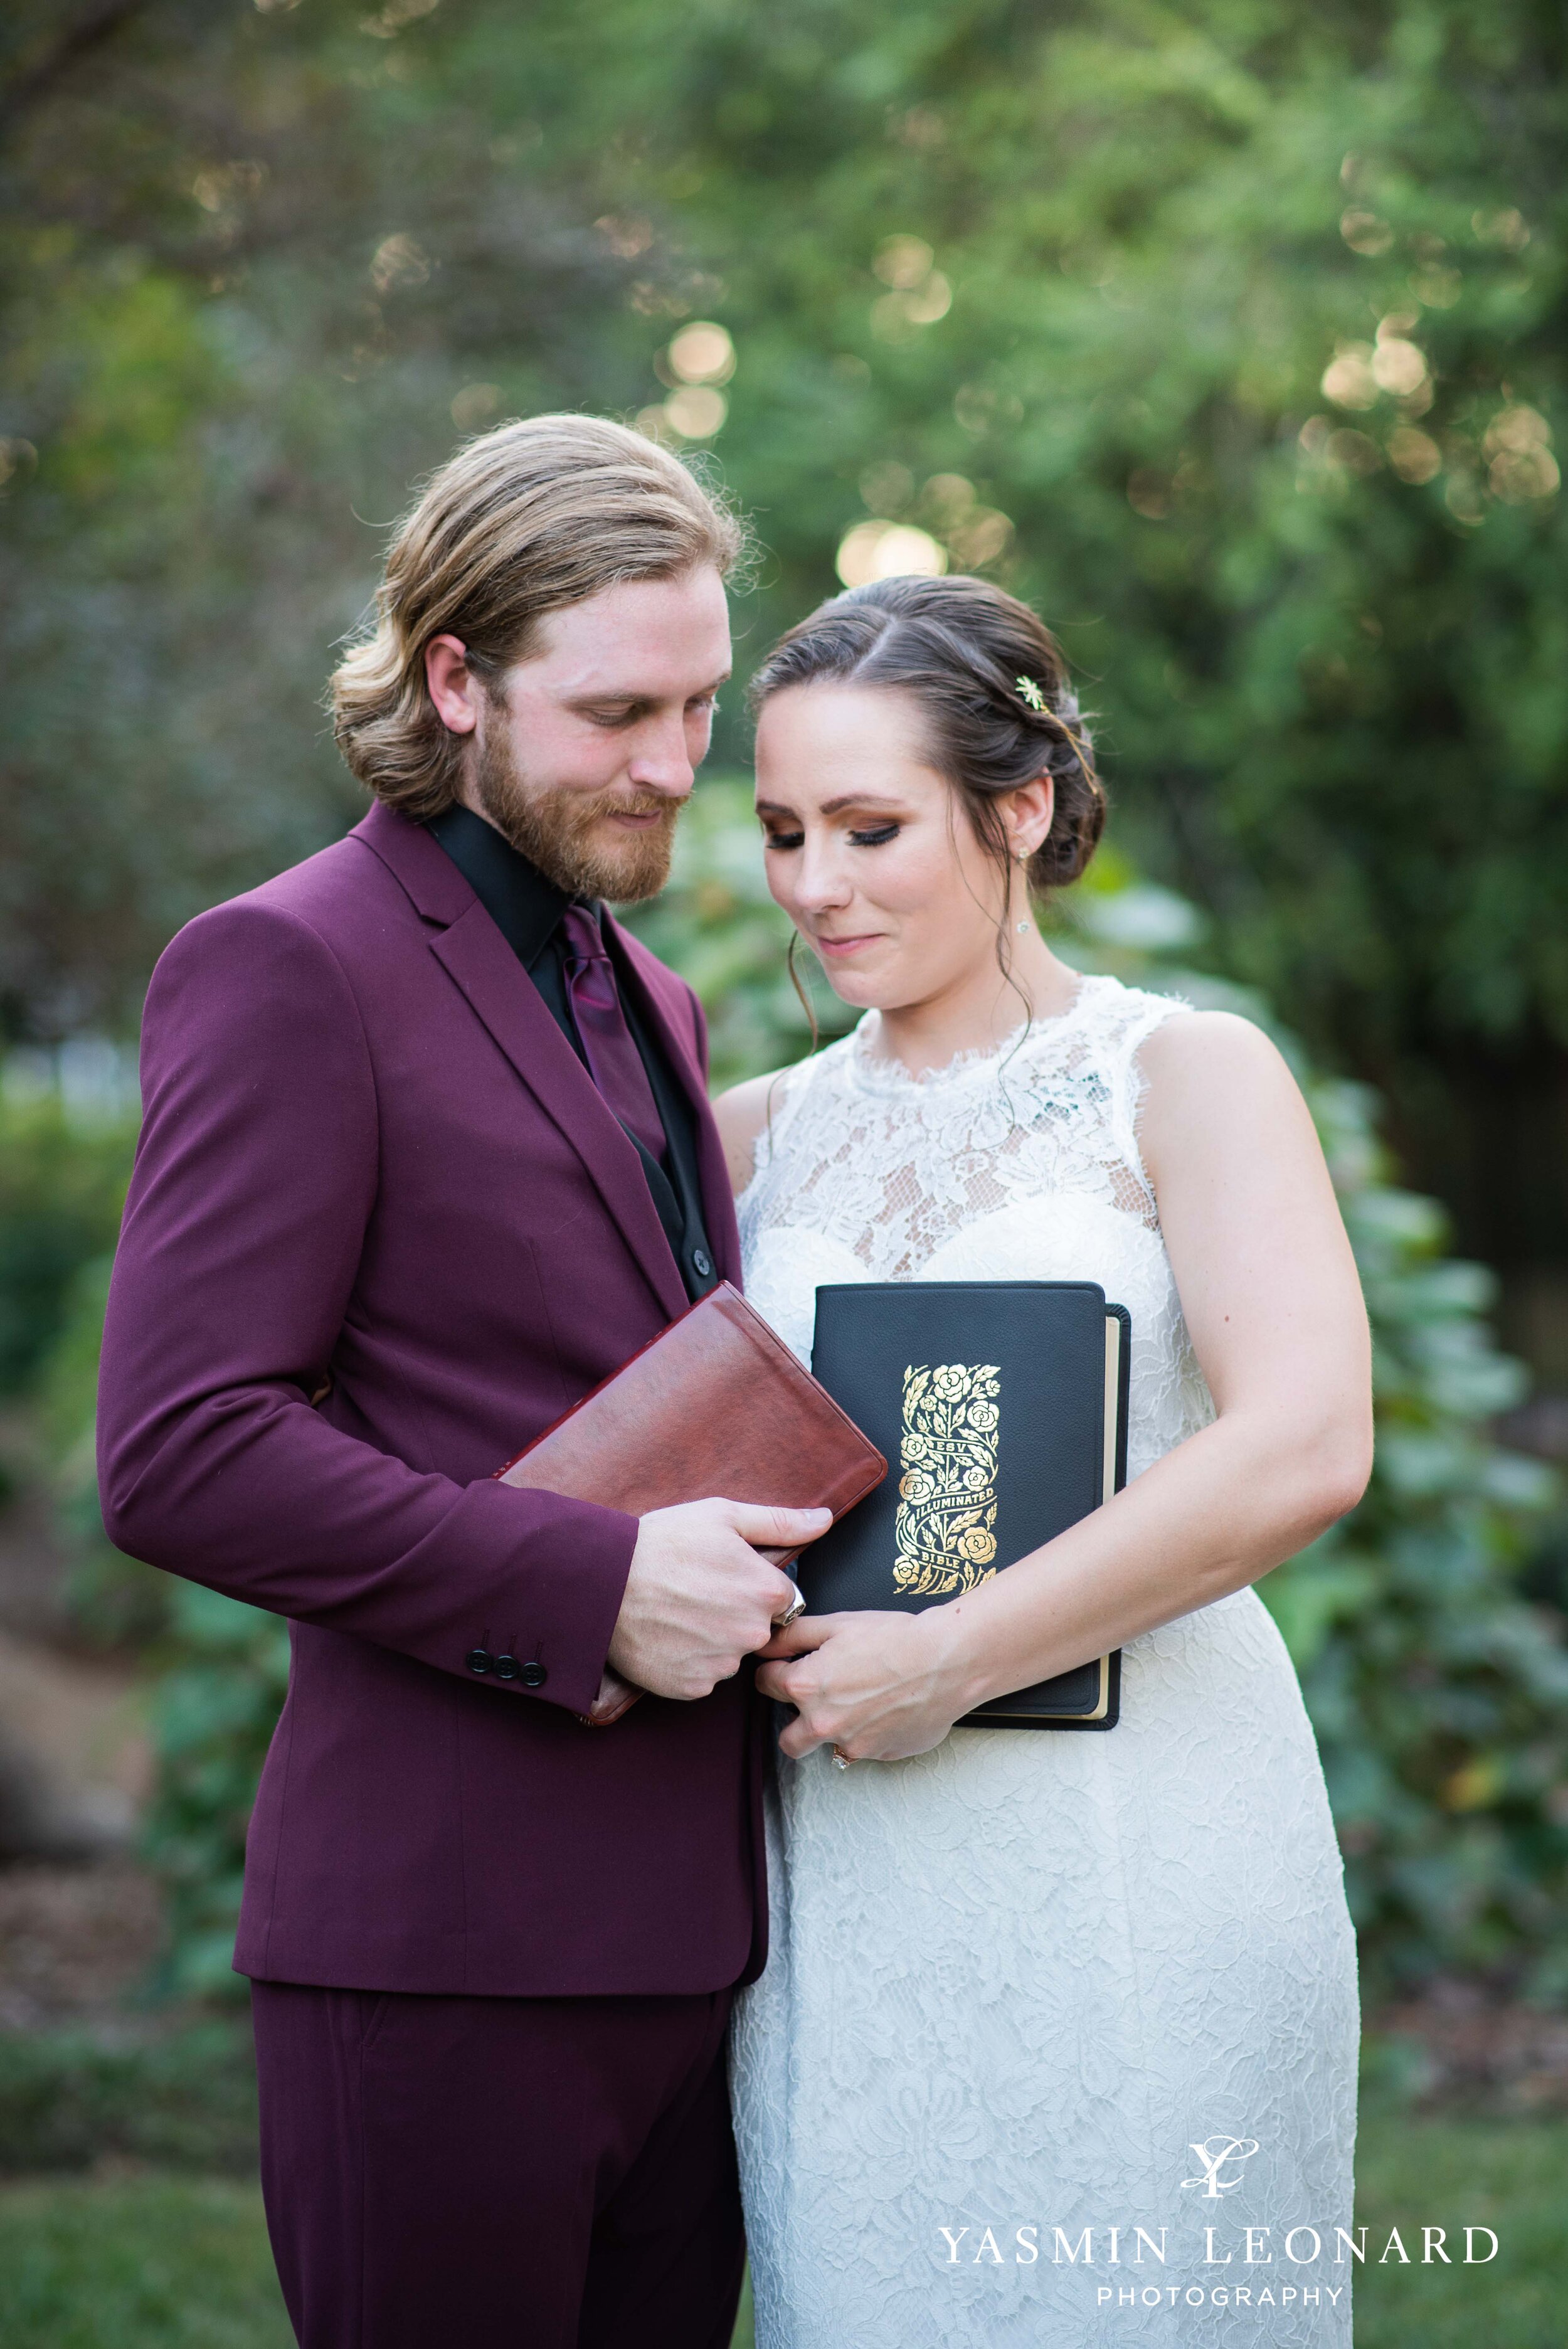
point(879, 1687)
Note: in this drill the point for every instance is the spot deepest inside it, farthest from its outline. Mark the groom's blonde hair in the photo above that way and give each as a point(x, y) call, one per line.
point(528, 518)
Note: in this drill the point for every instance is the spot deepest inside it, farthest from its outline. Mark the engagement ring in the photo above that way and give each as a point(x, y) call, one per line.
point(840, 1759)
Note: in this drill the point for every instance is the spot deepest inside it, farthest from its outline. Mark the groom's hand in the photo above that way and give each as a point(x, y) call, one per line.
point(698, 1597)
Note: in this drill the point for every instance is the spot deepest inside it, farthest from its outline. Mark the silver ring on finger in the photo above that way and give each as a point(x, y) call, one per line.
point(797, 1607)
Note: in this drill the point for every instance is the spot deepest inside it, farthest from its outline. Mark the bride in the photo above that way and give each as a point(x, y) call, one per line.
point(1056, 2043)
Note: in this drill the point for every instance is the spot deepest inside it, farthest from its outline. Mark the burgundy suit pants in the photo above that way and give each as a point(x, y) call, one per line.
point(499, 2173)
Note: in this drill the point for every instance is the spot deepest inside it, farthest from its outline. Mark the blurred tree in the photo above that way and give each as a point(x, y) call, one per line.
point(62, 1189)
point(1231, 333)
point(249, 270)
point(1234, 335)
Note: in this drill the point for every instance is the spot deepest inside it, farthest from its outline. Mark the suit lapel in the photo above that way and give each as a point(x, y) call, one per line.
point(639, 971)
point(500, 993)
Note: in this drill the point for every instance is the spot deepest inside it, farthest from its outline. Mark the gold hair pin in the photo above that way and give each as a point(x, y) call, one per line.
point(1030, 692)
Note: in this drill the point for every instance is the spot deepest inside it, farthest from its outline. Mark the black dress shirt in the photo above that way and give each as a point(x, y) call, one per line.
point(526, 908)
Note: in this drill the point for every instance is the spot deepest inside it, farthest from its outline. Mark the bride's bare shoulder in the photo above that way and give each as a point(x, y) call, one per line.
point(1211, 1075)
point(1186, 1044)
point(740, 1115)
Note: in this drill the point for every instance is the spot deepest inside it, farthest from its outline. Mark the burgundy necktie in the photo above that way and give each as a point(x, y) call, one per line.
point(614, 1062)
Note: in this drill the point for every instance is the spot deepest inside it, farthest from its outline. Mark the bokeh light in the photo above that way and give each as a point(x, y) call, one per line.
point(695, 411)
point(903, 262)
point(702, 353)
point(1518, 444)
point(475, 405)
point(888, 550)
point(1414, 454)
point(1348, 379)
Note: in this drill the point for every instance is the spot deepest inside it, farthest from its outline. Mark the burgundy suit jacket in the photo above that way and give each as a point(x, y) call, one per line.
point(369, 1156)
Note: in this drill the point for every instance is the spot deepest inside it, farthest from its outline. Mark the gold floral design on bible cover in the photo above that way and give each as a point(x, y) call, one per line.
point(945, 1529)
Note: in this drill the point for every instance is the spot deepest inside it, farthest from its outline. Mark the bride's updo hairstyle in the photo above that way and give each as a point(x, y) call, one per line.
point(993, 689)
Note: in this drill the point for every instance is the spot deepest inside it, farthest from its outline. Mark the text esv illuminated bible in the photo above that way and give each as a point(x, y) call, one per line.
point(1004, 1404)
point(715, 1404)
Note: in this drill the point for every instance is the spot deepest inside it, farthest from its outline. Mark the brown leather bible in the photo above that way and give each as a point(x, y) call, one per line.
point(715, 1404)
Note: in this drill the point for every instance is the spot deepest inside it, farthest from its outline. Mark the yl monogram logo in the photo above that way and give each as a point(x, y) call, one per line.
point(1214, 2153)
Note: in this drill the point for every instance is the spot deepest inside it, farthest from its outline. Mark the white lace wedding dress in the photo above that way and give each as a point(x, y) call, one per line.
point(1014, 1983)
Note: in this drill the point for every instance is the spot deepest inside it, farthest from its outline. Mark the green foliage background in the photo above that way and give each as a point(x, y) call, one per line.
point(259, 266)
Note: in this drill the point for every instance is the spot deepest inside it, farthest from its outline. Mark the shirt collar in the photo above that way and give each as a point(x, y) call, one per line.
point(525, 908)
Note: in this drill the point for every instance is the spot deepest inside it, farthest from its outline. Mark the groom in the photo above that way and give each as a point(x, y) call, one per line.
point(427, 1155)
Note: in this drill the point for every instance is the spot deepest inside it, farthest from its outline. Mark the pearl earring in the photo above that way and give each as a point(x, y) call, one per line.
point(1023, 856)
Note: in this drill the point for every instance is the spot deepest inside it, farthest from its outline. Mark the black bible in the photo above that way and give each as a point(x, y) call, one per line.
point(1003, 1404)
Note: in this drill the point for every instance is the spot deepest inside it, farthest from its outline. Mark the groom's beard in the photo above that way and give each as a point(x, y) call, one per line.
point(554, 829)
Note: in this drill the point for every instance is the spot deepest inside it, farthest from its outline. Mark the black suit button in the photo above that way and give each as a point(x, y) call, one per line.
point(702, 1263)
point(533, 1676)
point(479, 1659)
point(506, 1667)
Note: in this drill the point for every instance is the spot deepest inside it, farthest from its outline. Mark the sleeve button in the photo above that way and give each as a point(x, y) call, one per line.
point(533, 1675)
point(478, 1660)
point(507, 1668)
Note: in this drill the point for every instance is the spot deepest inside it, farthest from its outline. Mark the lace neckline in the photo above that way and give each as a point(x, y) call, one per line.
point(879, 1072)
